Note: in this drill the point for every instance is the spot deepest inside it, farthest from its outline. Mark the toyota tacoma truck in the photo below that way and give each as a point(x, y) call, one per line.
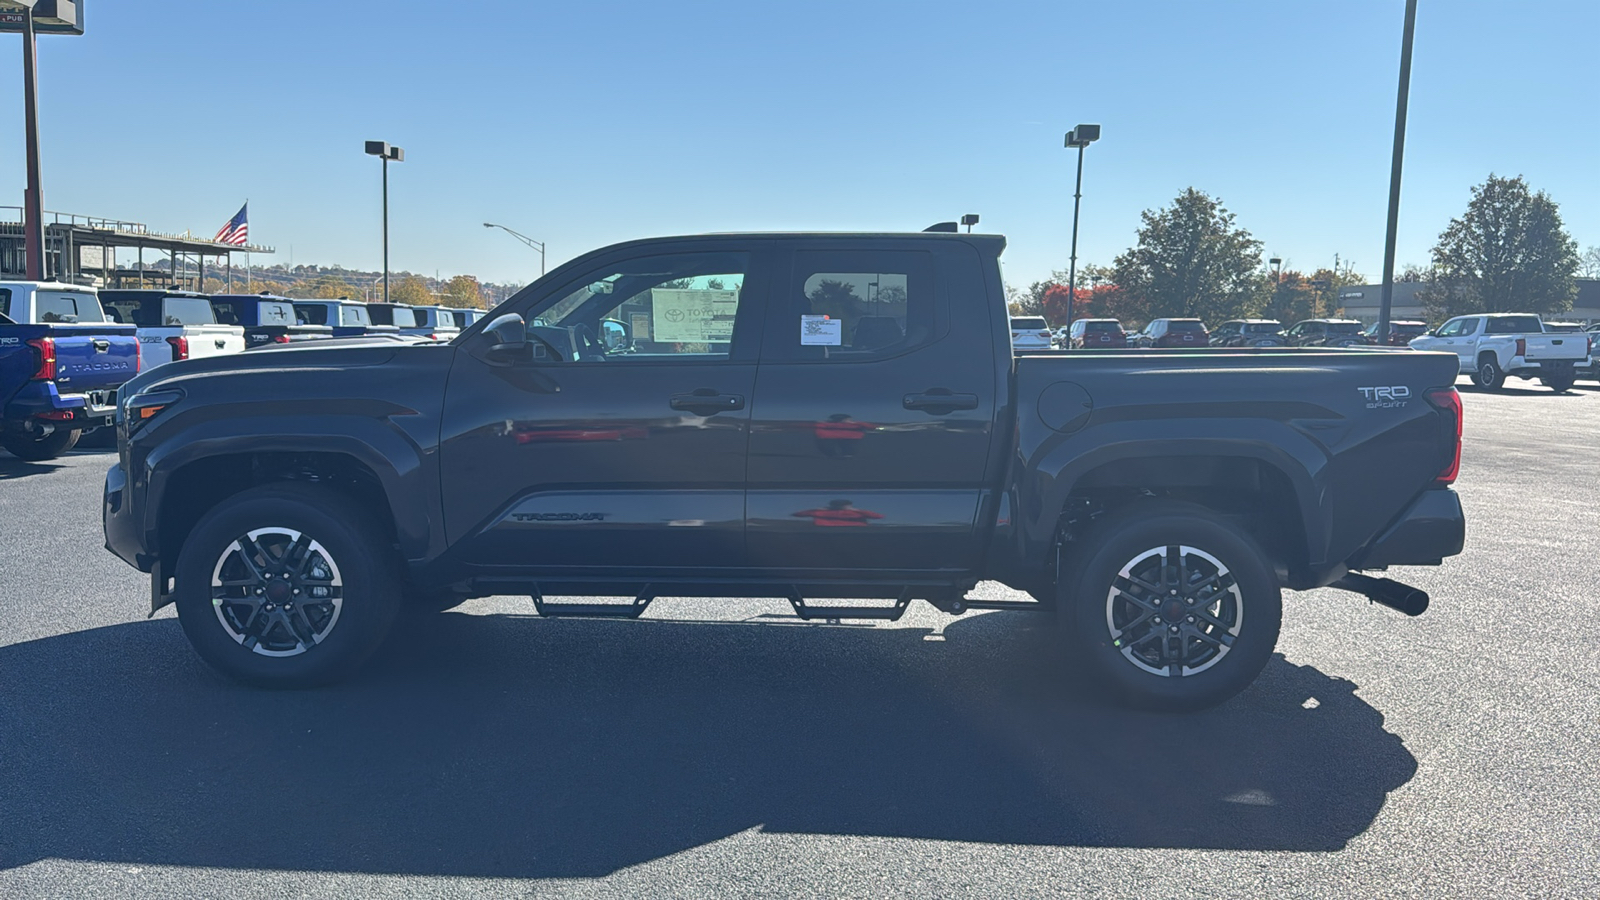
point(61, 364)
point(837, 420)
point(172, 325)
point(1493, 346)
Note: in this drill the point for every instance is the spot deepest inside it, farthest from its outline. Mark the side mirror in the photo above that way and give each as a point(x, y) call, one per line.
point(506, 340)
point(614, 336)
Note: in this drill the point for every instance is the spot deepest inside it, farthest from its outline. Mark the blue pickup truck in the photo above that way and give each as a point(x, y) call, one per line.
point(61, 364)
point(266, 319)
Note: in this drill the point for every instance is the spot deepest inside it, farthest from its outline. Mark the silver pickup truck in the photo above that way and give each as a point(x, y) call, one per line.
point(1494, 346)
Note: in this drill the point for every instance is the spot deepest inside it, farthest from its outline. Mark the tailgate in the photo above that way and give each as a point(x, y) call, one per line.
point(1556, 347)
point(91, 359)
point(213, 340)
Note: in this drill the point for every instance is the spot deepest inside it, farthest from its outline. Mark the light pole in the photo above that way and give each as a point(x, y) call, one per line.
point(537, 245)
point(382, 150)
point(1277, 269)
point(1385, 305)
point(1079, 137)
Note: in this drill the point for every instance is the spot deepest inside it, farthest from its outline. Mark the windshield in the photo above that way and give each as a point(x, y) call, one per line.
point(1514, 325)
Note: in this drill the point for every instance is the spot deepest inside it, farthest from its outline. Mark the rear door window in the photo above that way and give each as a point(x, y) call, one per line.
point(351, 315)
point(274, 313)
point(311, 313)
point(859, 304)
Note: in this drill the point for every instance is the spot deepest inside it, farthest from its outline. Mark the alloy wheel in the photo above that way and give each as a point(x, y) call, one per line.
point(277, 591)
point(1174, 610)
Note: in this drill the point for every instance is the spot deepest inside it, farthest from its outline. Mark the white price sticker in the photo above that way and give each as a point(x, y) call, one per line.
point(821, 331)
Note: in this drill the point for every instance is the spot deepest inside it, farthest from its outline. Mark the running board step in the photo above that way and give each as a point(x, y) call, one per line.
point(885, 613)
point(633, 610)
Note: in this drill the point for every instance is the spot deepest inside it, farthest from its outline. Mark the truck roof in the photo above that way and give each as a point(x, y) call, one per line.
point(992, 243)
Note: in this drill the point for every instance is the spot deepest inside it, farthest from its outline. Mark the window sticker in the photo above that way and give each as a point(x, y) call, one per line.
point(693, 316)
point(821, 331)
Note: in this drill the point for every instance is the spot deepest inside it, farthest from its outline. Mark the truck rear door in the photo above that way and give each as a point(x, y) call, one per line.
point(874, 410)
point(94, 359)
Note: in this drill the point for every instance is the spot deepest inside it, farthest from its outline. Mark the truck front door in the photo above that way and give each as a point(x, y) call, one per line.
point(623, 455)
point(874, 412)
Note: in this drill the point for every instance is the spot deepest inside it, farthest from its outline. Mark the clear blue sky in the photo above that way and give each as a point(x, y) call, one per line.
point(587, 123)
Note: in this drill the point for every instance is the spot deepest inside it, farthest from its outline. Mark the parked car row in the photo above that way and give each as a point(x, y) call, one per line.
point(66, 349)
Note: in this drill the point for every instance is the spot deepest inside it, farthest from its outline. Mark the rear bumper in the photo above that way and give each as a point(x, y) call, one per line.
point(1431, 528)
point(41, 400)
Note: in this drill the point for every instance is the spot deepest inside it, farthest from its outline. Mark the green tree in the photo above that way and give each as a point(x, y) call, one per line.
point(1192, 260)
point(1509, 252)
point(1589, 263)
point(410, 290)
point(1294, 297)
point(462, 291)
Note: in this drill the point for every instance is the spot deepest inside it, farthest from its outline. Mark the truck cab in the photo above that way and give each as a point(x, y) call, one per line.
point(347, 318)
point(173, 325)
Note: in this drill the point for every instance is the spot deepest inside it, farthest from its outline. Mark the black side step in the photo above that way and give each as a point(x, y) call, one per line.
point(632, 610)
point(884, 613)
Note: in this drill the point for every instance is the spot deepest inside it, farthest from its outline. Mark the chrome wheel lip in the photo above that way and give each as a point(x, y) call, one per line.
point(312, 548)
point(1220, 613)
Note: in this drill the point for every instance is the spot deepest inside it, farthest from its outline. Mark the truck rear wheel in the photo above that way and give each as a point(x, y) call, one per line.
point(1489, 376)
point(37, 449)
point(287, 586)
point(1170, 606)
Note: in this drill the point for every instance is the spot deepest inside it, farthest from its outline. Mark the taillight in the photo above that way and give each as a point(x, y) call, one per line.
point(180, 347)
point(138, 356)
point(1522, 346)
point(1044, 334)
point(281, 339)
point(45, 359)
point(1447, 401)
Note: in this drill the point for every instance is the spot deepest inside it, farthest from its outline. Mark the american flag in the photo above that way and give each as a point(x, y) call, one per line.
point(237, 231)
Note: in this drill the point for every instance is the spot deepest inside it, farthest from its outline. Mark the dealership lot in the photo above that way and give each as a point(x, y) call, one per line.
point(717, 747)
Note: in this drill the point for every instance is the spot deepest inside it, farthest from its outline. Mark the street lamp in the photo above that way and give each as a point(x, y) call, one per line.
point(1277, 269)
point(1079, 137)
point(382, 150)
point(537, 245)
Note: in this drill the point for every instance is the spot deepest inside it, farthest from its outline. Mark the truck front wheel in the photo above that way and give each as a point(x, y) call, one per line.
point(1170, 606)
point(286, 586)
point(38, 449)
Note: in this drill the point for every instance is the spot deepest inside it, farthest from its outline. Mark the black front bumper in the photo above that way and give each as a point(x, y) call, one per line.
point(123, 536)
point(1432, 528)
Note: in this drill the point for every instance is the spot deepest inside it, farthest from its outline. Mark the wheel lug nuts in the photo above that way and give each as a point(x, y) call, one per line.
point(1174, 593)
point(1191, 618)
point(1174, 629)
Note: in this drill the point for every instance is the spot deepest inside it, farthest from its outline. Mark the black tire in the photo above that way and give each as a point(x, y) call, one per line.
point(1227, 631)
point(1489, 375)
point(1561, 380)
point(32, 449)
point(331, 639)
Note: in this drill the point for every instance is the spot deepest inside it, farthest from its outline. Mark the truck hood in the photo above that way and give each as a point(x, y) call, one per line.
point(320, 358)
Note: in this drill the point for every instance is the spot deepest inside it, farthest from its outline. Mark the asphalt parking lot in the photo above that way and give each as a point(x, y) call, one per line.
point(719, 748)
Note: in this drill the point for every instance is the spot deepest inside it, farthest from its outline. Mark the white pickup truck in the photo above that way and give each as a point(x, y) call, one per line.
point(172, 325)
point(1496, 345)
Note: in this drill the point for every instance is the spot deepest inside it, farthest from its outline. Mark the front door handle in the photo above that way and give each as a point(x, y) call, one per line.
point(940, 401)
point(707, 402)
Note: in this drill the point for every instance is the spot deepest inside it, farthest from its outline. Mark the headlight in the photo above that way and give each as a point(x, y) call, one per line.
point(146, 405)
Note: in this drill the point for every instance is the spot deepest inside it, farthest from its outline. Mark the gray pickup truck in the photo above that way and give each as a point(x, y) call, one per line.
point(829, 419)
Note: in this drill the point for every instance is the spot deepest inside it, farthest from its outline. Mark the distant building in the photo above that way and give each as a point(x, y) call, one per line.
point(1360, 301)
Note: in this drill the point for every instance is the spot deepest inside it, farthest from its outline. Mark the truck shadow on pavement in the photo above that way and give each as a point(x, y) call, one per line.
point(11, 467)
point(505, 746)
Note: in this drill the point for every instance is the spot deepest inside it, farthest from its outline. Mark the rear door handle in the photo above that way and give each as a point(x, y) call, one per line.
point(707, 402)
point(939, 401)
